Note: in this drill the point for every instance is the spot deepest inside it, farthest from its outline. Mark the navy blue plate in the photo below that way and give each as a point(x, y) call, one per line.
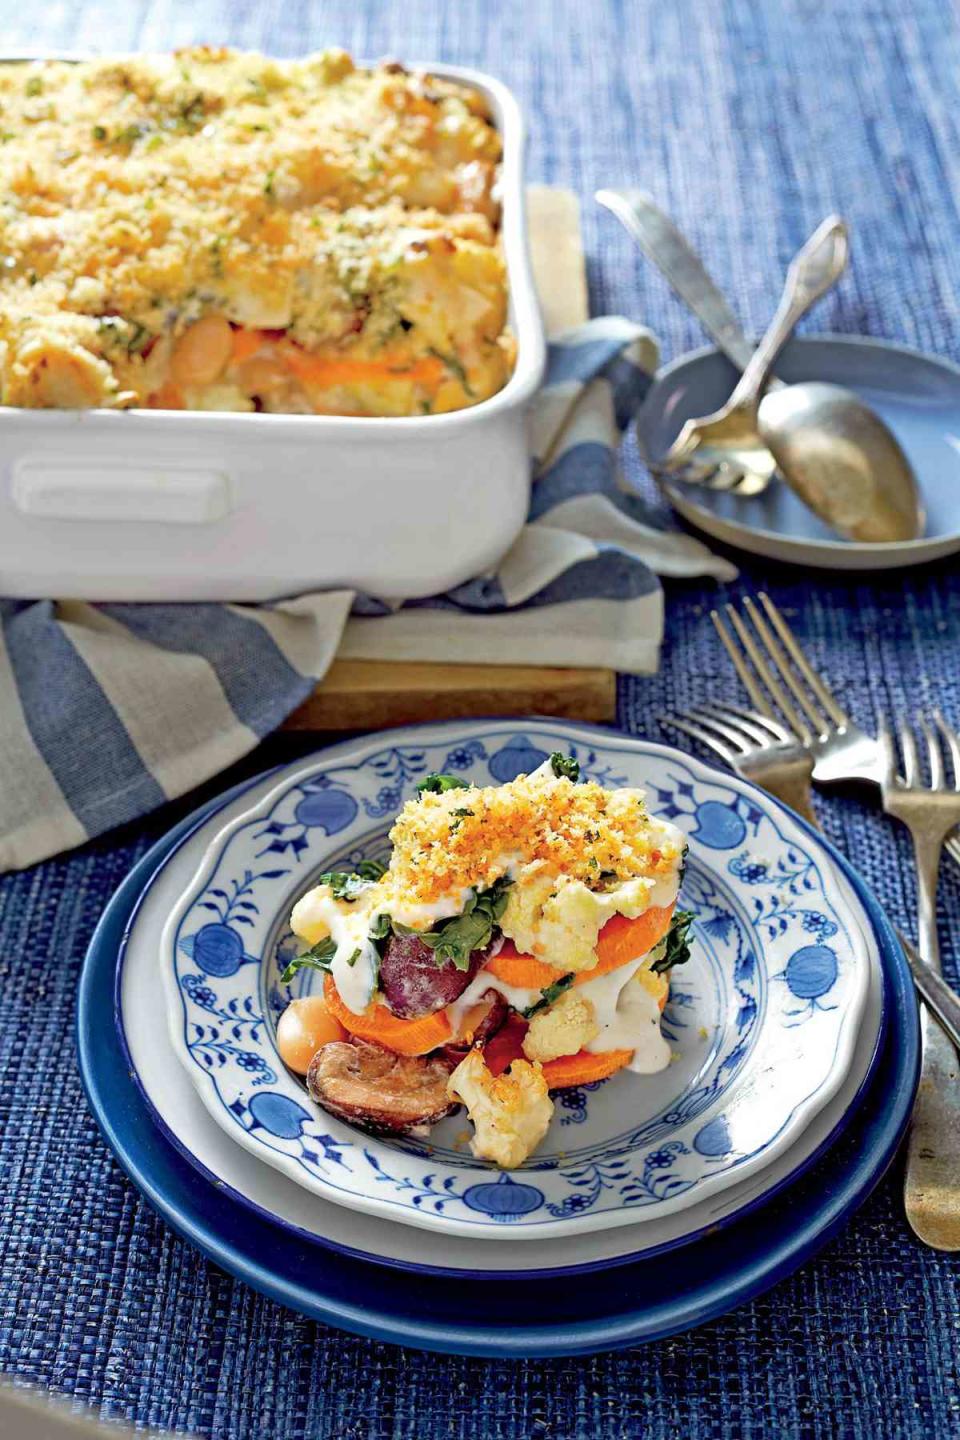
point(645, 1300)
point(917, 395)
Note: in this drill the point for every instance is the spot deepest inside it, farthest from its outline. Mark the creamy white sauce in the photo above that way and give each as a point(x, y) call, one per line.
point(515, 996)
point(629, 1019)
point(348, 928)
point(422, 916)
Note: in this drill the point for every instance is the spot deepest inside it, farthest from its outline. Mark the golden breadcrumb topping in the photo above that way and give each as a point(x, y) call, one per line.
point(335, 226)
point(538, 824)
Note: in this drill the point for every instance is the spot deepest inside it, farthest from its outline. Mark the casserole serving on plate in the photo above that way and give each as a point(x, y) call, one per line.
point(267, 325)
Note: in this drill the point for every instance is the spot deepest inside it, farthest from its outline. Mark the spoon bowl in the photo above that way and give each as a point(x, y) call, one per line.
point(845, 462)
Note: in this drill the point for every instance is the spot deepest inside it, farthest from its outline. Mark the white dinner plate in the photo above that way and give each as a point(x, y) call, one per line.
point(764, 1020)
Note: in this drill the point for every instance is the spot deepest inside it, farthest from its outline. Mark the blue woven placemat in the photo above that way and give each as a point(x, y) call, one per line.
point(750, 122)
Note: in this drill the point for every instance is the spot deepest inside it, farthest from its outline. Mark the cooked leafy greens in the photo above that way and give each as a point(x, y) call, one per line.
point(457, 938)
point(436, 784)
point(677, 943)
point(349, 884)
point(564, 766)
point(318, 957)
point(549, 994)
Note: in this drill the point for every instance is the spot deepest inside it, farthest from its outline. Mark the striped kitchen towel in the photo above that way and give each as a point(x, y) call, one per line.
point(108, 710)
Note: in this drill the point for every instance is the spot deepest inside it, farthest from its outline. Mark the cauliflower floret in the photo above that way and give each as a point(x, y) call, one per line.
point(310, 920)
point(558, 921)
point(510, 1112)
point(564, 1029)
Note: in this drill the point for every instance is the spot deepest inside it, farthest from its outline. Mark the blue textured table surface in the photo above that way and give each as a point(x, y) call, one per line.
point(750, 122)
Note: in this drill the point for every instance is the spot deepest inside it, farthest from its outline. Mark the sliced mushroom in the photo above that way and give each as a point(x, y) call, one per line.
point(378, 1090)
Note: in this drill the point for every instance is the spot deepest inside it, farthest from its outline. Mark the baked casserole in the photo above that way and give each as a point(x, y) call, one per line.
point(219, 231)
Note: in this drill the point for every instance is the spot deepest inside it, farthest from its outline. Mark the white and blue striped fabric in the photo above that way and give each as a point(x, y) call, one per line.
point(108, 710)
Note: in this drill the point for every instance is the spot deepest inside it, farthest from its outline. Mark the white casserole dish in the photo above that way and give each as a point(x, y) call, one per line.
point(184, 505)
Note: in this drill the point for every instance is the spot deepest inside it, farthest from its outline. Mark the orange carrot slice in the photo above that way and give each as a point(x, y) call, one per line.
point(323, 371)
point(584, 1068)
point(620, 941)
point(246, 343)
point(377, 1023)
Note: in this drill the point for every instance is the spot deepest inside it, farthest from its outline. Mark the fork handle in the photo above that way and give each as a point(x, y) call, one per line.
point(931, 1192)
point(812, 272)
point(942, 1000)
point(927, 852)
point(678, 262)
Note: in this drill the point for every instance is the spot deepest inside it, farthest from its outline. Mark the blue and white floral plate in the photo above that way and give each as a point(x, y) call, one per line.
point(262, 1191)
point(764, 1019)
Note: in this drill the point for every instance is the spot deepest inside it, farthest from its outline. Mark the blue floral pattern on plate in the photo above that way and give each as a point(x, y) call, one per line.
point(762, 1021)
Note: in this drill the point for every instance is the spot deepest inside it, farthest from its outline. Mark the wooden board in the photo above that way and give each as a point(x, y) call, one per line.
point(373, 694)
point(367, 694)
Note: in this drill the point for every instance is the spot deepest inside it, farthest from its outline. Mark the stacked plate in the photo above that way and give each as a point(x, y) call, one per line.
point(793, 1027)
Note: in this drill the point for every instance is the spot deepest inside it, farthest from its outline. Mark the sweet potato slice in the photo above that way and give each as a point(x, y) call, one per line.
point(379, 1090)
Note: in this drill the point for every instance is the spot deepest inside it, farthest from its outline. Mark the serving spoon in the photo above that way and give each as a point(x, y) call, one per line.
point(833, 451)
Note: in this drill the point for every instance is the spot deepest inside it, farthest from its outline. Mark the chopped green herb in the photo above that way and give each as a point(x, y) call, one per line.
point(676, 943)
point(192, 114)
point(130, 134)
point(34, 86)
point(436, 784)
point(318, 957)
point(380, 927)
point(460, 815)
point(454, 365)
point(549, 994)
point(564, 766)
point(268, 183)
point(352, 959)
point(99, 132)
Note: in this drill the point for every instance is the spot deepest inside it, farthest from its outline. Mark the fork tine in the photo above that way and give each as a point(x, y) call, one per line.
point(911, 759)
point(723, 727)
point(888, 751)
point(836, 713)
point(817, 717)
point(934, 754)
point(739, 664)
point(712, 742)
point(767, 722)
point(952, 741)
point(795, 721)
point(740, 719)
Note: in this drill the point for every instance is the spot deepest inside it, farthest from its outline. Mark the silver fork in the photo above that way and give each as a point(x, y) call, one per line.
point(757, 746)
point(932, 1195)
point(840, 749)
point(929, 812)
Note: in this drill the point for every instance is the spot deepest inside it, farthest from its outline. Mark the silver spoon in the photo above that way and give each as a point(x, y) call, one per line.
point(843, 460)
point(735, 427)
